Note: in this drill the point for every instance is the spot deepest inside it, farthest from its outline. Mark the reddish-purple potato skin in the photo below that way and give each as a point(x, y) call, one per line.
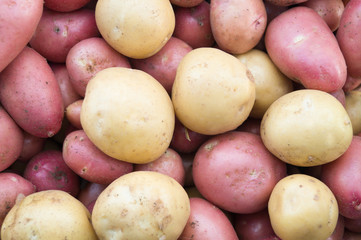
point(65, 5)
point(349, 235)
point(339, 230)
point(353, 225)
point(32, 145)
point(72, 113)
point(285, 2)
point(186, 3)
point(90, 192)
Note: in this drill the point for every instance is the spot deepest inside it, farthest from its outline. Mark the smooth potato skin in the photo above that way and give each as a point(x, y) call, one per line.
point(14, 35)
point(72, 113)
point(285, 2)
point(304, 48)
point(65, 5)
point(32, 96)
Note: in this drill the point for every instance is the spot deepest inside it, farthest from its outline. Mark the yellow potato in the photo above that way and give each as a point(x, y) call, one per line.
point(353, 108)
point(128, 115)
point(50, 214)
point(213, 92)
point(270, 82)
point(302, 207)
point(306, 128)
point(141, 205)
point(135, 28)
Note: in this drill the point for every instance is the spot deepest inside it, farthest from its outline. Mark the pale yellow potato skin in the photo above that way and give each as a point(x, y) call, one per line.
point(302, 207)
point(306, 128)
point(128, 115)
point(50, 214)
point(270, 82)
point(141, 205)
point(213, 92)
point(353, 108)
point(135, 28)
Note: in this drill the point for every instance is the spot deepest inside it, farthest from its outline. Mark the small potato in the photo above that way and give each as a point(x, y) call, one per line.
point(141, 205)
point(51, 214)
point(133, 28)
point(270, 82)
point(302, 207)
point(31, 146)
point(72, 113)
point(353, 108)
point(306, 128)
point(213, 92)
point(128, 115)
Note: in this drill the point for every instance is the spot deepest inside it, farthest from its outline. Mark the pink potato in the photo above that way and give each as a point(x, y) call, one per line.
point(349, 235)
point(14, 35)
point(65, 5)
point(351, 83)
point(47, 170)
point(88, 57)
point(31, 146)
point(90, 192)
point(339, 176)
point(163, 65)
point(304, 48)
point(32, 96)
point(252, 125)
point(236, 172)
point(353, 225)
point(186, 3)
point(72, 113)
point(193, 25)
point(169, 163)
point(285, 2)
point(207, 221)
point(58, 32)
point(13, 187)
point(349, 37)
point(91, 164)
point(339, 230)
point(11, 140)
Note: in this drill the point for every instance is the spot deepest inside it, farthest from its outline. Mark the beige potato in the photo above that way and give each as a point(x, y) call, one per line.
point(302, 207)
point(50, 214)
point(141, 205)
point(135, 28)
point(270, 82)
point(128, 115)
point(306, 128)
point(213, 92)
point(353, 108)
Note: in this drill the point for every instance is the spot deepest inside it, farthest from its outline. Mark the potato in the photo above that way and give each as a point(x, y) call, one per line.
point(128, 115)
point(237, 25)
point(31, 146)
point(186, 3)
point(306, 128)
point(302, 207)
point(285, 2)
point(270, 82)
point(14, 36)
point(51, 214)
point(303, 47)
point(213, 92)
point(65, 5)
point(141, 205)
point(72, 113)
point(353, 108)
point(136, 29)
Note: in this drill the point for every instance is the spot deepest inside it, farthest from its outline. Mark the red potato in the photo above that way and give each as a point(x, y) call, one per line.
point(304, 48)
point(32, 96)
point(72, 113)
point(338, 175)
point(58, 32)
point(207, 221)
point(251, 125)
point(163, 64)
point(339, 230)
point(47, 170)
point(186, 3)
point(11, 140)
point(91, 164)
point(170, 163)
point(353, 225)
point(340, 95)
point(349, 235)
point(237, 25)
point(13, 188)
point(236, 172)
point(14, 36)
point(90, 192)
point(187, 160)
point(88, 57)
point(65, 5)
point(285, 2)
point(351, 83)
point(68, 93)
point(349, 37)
point(193, 25)
point(31, 146)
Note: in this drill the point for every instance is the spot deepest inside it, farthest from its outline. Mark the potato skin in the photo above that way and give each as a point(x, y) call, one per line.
point(65, 5)
point(32, 96)
point(353, 108)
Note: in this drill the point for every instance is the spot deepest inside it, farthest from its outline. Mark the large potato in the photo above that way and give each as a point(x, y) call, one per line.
point(128, 115)
point(141, 205)
point(137, 29)
point(213, 92)
point(307, 128)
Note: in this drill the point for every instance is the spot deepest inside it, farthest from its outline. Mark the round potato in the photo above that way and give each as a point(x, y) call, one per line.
point(302, 207)
point(353, 108)
point(128, 115)
point(141, 205)
point(213, 92)
point(306, 128)
point(137, 29)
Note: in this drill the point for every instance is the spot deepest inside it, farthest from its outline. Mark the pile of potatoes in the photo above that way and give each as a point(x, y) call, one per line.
point(180, 119)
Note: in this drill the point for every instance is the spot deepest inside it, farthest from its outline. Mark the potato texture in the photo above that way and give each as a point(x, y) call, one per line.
point(135, 28)
point(306, 128)
point(213, 92)
point(141, 205)
point(128, 115)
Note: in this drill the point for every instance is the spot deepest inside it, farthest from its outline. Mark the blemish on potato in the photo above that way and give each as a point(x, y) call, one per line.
point(211, 145)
